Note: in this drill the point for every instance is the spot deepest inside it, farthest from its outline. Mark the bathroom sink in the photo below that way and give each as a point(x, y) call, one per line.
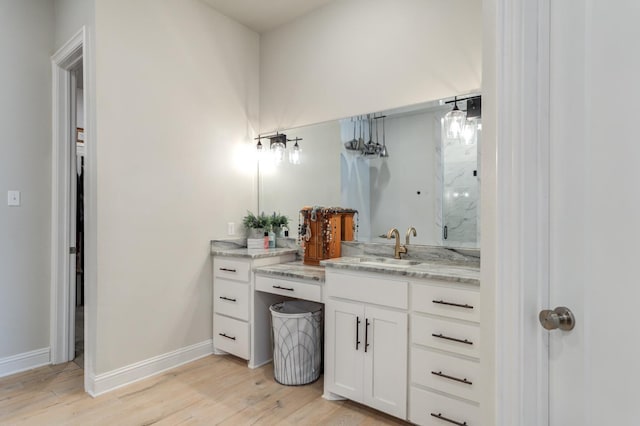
point(385, 262)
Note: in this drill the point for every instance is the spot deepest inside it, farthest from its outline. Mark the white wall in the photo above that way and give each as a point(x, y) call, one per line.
point(70, 16)
point(489, 217)
point(358, 56)
point(26, 29)
point(177, 96)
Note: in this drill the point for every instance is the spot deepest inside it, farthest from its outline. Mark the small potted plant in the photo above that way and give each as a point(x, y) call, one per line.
point(279, 222)
point(256, 225)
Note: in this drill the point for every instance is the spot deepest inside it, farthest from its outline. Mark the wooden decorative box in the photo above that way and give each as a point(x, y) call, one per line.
point(322, 229)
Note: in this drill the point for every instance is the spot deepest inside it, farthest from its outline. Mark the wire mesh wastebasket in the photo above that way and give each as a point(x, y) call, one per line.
point(297, 341)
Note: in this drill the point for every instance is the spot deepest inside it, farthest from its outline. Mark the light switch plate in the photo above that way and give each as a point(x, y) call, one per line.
point(13, 198)
point(231, 228)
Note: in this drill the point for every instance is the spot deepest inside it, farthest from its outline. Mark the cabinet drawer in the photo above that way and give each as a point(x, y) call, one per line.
point(447, 301)
point(231, 269)
point(453, 375)
point(297, 289)
point(380, 291)
point(231, 335)
point(231, 298)
point(446, 335)
point(422, 404)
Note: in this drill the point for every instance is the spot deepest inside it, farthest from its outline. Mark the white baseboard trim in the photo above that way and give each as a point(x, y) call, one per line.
point(24, 361)
point(106, 382)
point(260, 364)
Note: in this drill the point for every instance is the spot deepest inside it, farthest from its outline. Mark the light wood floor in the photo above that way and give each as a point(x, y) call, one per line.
point(213, 390)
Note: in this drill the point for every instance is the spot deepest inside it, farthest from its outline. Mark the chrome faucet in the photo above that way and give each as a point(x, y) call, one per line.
point(393, 232)
point(415, 234)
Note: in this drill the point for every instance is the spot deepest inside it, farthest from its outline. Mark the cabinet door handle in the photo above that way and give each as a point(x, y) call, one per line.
point(439, 374)
point(442, 336)
point(228, 298)
point(228, 337)
point(441, 417)
point(282, 288)
point(366, 334)
point(458, 305)
point(228, 270)
point(357, 332)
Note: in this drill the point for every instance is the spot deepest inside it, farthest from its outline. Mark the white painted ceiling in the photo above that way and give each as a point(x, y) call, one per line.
point(265, 15)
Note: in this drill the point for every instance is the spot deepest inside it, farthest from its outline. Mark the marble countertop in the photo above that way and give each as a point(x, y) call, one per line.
point(297, 270)
point(252, 253)
point(439, 271)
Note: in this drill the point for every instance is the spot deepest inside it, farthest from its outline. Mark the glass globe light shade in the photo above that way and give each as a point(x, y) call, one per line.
point(469, 132)
point(454, 122)
point(294, 154)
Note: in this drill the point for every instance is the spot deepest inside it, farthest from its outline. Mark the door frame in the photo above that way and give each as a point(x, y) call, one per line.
point(79, 49)
point(515, 264)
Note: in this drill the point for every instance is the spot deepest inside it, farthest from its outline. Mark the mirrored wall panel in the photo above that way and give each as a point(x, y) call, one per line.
point(397, 168)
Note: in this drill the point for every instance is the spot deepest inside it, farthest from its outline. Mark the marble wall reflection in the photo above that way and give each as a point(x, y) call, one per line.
point(460, 194)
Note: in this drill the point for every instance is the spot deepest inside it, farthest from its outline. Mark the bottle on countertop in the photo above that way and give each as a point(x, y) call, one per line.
point(272, 238)
point(266, 240)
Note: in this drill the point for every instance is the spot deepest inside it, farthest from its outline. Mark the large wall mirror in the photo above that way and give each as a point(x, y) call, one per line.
point(429, 178)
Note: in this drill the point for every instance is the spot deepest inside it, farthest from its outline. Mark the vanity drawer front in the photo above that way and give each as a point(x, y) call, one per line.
point(297, 289)
point(231, 298)
point(422, 404)
point(231, 269)
point(453, 375)
point(231, 335)
point(380, 291)
point(446, 335)
point(447, 301)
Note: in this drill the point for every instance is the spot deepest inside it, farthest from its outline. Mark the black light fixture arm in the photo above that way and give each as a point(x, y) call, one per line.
point(281, 137)
point(456, 99)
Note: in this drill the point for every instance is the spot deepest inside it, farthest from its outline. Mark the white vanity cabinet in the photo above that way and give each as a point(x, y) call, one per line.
point(444, 367)
point(240, 315)
point(366, 334)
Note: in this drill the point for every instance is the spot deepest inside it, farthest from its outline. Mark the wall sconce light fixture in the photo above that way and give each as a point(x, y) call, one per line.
point(460, 124)
point(278, 147)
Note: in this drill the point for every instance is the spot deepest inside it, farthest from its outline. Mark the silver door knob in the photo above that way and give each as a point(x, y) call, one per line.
point(561, 317)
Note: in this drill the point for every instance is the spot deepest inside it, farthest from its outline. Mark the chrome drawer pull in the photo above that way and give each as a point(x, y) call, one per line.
point(228, 270)
point(441, 417)
point(457, 305)
point(227, 298)
point(282, 288)
point(439, 374)
point(442, 336)
point(228, 337)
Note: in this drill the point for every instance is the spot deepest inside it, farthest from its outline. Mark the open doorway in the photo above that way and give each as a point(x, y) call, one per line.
point(71, 149)
point(79, 216)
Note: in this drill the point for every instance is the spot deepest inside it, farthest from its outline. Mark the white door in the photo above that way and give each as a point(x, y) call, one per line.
point(344, 348)
point(594, 370)
point(385, 356)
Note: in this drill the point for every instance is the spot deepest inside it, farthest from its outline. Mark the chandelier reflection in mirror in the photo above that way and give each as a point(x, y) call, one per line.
point(278, 148)
point(366, 126)
point(463, 125)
